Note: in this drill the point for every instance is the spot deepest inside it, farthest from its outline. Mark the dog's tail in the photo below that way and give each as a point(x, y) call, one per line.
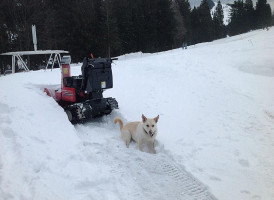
point(117, 119)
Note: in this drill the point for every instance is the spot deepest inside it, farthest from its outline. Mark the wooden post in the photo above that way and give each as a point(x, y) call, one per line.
point(13, 64)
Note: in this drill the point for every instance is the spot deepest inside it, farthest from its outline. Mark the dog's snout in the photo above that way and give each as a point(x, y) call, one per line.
point(151, 133)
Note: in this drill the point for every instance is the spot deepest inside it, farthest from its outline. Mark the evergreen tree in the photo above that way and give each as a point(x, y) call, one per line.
point(244, 18)
point(146, 26)
point(165, 25)
point(4, 45)
point(195, 26)
point(237, 23)
point(263, 14)
point(180, 31)
point(84, 32)
point(185, 10)
point(124, 12)
point(18, 17)
point(249, 15)
point(273, 19)
point(206, 22)
point(111, 30)
point(218, 20)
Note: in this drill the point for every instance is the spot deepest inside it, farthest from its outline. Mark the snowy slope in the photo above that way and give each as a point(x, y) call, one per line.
point(215, 139)
point(226, 9)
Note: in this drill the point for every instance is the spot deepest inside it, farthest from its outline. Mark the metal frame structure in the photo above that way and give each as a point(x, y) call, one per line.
point(55, 54)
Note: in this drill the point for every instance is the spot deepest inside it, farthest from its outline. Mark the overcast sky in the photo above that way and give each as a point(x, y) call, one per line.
point(197, 2)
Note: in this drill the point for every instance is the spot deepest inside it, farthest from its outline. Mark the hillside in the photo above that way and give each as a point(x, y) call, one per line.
point(215, 141)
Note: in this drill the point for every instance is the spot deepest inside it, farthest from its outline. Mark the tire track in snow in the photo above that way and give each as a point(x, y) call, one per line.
point(135, 174)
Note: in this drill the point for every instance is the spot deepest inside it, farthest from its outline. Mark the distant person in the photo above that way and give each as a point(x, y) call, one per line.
point(184, 46)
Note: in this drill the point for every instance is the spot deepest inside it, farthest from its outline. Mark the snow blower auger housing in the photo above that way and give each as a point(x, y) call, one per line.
point(82, 96)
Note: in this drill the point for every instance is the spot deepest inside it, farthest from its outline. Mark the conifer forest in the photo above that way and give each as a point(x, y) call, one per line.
point(116, 27)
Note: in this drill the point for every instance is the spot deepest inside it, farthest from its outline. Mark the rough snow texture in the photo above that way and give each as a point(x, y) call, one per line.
point(130, 174)
point(216, 107)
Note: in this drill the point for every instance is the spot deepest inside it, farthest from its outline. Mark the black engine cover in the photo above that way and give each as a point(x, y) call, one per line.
point(98, 75)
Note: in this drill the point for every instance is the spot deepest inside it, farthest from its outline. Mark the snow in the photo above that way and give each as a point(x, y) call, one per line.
point(226, 10)
point(133, 56)
point(215, 137)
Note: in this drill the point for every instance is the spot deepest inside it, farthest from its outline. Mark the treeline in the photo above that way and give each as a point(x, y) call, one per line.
point(115, 27)
point(102, 27)
point(244, 17)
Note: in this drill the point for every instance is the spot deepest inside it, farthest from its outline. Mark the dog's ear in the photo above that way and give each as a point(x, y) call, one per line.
point(156, 118)
point(144, 118)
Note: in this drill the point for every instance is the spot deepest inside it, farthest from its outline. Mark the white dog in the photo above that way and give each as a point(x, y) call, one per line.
point(140, 132)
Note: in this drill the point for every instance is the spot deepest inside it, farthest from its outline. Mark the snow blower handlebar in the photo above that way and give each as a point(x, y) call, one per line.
point(113, 59)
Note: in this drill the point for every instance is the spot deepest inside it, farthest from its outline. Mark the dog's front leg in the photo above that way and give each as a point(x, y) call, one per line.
point(140, 144)
point(152, 147)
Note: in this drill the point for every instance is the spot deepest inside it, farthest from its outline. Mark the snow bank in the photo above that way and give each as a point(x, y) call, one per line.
point(36, 140)
point(133, 56)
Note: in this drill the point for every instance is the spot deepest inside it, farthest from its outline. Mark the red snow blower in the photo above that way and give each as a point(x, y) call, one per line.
point(82, 96)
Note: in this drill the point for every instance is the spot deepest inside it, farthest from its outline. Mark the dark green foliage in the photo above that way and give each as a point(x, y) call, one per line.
point(85, 31)
point(263, 14)
point(245, 18)
point(185, 10)
point(114, 27)
point(202, 24)
point(272, 18)
point(237, 17)
point(146, 26)
point(195, 26)
point(17, 17)
point(218, 20)
point(249, 15)
point(103, 27)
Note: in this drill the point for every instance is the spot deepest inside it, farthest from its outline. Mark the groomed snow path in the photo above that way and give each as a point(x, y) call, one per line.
point(130, 174)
